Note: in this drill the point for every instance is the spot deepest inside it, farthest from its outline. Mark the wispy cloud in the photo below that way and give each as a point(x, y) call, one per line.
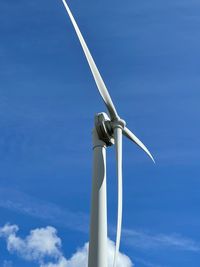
point(44, 247)
point(56, 215)
point(7, 263)
point(22, 203)
point(149, 241)
point(147, 263)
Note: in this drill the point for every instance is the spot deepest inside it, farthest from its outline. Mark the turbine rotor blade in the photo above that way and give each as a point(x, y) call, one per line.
point(118, 144)
point(97, 76)
point(133, 138)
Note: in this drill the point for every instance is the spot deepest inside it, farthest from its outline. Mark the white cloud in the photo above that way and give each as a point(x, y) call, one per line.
point(123, 260)
point(61, 263)
point(43, 246)
point(80, 258)
point(8, 230)
point(40, 243)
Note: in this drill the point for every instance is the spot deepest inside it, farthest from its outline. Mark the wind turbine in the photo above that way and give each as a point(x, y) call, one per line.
point(108, 130)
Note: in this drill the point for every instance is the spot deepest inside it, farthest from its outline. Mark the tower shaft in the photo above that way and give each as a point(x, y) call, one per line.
point(98, 220)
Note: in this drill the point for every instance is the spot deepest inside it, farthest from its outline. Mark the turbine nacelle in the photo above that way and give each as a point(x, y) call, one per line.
point(105, 127)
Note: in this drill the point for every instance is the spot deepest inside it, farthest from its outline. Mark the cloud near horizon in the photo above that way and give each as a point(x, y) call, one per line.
point(49, 212)
point(44, 247)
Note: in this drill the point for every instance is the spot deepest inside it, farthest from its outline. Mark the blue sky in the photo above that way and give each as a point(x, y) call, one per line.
point(148, 54)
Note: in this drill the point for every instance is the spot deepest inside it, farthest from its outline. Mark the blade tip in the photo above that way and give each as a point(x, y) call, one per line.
point(153, 160)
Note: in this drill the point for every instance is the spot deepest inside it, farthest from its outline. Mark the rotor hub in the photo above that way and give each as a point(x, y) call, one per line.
point(104, 128)
point(118, 122)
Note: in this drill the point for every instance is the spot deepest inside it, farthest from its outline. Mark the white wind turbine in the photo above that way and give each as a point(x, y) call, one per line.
point(107, 131)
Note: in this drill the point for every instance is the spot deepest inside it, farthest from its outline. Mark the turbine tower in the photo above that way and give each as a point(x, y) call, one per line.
point(108, 131)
